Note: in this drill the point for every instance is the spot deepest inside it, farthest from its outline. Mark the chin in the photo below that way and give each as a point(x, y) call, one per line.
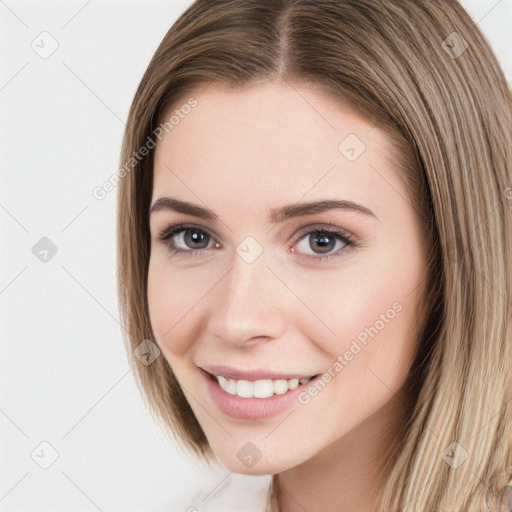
point(247, 459)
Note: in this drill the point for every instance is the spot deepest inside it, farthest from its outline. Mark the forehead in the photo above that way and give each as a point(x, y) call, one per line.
point(269, 141)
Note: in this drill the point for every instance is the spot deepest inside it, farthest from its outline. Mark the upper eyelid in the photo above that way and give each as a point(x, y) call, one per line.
point(190, 225)
point(177, 228)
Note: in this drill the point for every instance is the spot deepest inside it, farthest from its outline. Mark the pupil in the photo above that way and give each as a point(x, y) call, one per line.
point(325, 241)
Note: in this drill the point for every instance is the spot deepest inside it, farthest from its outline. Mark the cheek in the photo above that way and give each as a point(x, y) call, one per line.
point(373, 313)
point(373, 316)
point(171, 299)
point(363, 303)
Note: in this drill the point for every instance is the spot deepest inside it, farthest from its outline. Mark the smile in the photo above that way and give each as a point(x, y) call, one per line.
point(264, 388)
point(253, 399)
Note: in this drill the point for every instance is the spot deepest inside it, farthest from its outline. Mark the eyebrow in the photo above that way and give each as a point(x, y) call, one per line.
point(275, 215)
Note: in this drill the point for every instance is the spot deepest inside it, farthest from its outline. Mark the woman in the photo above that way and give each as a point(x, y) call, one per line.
point(314, 230)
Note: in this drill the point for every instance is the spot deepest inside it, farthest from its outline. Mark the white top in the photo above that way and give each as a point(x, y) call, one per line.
point(233, 494)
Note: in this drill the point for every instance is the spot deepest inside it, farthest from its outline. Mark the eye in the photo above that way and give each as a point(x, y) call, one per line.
point(183, 239)
point(322, 240)
point(186, 240)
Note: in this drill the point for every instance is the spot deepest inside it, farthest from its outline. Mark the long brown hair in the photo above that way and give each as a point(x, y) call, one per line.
point(423, 72)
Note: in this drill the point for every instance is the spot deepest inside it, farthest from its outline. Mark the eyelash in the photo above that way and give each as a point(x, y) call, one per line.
point(167, 234)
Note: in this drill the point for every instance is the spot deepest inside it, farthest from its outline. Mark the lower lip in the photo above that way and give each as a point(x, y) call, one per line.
point(251, 408)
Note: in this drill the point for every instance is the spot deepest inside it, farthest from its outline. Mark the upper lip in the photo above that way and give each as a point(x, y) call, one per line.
point(233, 373)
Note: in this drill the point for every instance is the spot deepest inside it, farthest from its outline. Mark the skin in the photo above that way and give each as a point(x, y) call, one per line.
point(240, 153)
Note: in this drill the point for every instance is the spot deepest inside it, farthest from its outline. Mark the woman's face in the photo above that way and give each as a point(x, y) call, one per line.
point(263, 288)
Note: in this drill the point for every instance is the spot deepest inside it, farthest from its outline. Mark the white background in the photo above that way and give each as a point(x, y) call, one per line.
point(64, 377)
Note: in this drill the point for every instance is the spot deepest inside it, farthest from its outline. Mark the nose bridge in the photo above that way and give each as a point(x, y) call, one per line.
point(247, 304)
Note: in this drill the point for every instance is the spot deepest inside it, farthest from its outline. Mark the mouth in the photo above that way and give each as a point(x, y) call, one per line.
point(262, 388)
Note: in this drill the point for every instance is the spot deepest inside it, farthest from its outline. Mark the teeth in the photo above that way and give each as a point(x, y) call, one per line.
point(261, 388)
point(280, 387)
point(244, 389)
point(227, 385)
point(293, 383)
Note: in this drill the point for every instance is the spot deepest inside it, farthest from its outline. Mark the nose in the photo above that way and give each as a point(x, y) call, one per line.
point(248, 306)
